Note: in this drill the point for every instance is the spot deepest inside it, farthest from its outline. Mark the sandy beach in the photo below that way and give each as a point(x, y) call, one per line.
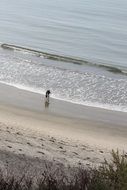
point(63, 133)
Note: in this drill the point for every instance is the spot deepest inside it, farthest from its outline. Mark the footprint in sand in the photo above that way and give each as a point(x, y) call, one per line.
point(62, 143)
point(87, 158)
point(8, 131)
point(52, 139)
point(84, 146)
point(75, 153)
point(18, 133)
point(9, 146)
point(29, 143)
point(40, 152)
point(90, 150)
point(63, 151)
point(7, 140)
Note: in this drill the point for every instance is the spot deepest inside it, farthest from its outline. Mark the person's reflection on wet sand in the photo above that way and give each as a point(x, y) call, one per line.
point(46, 104)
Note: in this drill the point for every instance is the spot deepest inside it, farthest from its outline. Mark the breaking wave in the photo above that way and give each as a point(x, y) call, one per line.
point(26, 69)
point(61, 58)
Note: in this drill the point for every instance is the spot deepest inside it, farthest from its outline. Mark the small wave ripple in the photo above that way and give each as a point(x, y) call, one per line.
point(56, 57)
point(86, 88)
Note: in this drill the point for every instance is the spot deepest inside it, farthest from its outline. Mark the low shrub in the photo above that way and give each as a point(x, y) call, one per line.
point(109, 176)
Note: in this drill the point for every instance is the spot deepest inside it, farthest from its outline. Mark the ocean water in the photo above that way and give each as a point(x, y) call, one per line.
point(77, 49)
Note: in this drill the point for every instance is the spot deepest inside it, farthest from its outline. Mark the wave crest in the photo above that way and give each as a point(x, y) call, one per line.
point(64, 58)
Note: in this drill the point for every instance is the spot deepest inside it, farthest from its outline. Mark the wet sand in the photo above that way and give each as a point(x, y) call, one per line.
point(63, 132)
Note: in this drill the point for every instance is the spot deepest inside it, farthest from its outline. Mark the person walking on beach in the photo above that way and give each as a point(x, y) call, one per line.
point(47, 98)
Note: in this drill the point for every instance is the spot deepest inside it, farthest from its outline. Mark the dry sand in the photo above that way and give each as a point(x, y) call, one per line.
point(65, 133)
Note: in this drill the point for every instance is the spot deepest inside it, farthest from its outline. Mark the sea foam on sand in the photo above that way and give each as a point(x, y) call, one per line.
point(63, 133)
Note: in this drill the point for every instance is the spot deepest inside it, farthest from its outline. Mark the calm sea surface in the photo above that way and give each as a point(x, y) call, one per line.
point(93, 34)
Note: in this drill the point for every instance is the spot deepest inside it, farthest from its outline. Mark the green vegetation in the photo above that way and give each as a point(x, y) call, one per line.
point(109, 176)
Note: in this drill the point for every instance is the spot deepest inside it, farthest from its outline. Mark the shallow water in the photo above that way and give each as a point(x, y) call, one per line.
point(88, 43)
point(88, 86)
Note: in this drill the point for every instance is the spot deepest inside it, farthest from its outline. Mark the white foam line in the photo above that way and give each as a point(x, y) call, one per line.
point(90, 104)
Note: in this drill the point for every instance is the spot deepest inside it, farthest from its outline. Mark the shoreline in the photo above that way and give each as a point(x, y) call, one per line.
point(35, 102)
point(64, 132)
